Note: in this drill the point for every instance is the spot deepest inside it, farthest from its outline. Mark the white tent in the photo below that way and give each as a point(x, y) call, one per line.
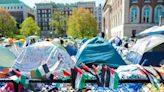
point(147, 31)
point(41, 53)
point(153, 30)
point(147, 43)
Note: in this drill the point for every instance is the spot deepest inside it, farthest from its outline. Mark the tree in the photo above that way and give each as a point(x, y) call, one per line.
point(7, 23)
point(59, 24)
point(29, 27)
point(82, 24)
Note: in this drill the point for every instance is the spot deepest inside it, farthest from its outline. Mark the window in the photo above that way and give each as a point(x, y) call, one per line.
point(159, 0)
point(158, 12)
point(42, 11)
point(146, 14)
point(49, 11)
point(38, 11)
point(134, 1)
point(147, 1)
point(134, 14)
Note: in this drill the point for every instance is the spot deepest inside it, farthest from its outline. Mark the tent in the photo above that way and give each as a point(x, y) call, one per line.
point(98, 51)
point(147, 31)
point(153, 30)
point(35, 55)
point(6, 57)
point(148, 51)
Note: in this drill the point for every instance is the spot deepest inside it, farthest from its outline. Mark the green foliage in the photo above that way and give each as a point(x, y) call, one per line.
point(29, 27)
point(59, 24)
point(82, 24)
point(7, 24)
point(17, 37)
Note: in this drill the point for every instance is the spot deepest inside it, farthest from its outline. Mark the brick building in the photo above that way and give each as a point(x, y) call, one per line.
point(129, 17)
point(45, 11)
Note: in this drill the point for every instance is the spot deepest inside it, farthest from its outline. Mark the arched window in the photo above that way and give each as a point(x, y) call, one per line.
point(158, 12)
point(134, 14)
point(146, 14)
point(134, 1)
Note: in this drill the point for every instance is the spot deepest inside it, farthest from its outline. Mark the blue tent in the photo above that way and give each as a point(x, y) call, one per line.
point(98, 51)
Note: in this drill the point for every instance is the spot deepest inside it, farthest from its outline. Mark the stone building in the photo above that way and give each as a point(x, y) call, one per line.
point(17, 9)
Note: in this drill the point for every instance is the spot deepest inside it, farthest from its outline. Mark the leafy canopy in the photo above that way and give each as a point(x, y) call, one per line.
point(82, 24)
point(7, 24)
point(29, 27)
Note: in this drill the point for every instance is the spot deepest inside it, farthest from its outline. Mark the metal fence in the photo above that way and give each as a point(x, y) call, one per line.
point(16, 87)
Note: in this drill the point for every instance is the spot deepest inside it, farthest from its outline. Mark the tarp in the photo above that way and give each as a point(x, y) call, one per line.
point(41, 53)
point(148, 51)
point(147, 31)
point(153, 30)
point(6, 57)
point(99, 51)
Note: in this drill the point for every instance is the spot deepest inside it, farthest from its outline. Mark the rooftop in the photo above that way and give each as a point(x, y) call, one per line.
point(10, 1)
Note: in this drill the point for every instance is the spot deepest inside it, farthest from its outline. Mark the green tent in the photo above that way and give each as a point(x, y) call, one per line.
point(7, 58)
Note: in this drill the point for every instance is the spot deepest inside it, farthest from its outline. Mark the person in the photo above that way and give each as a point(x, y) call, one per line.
point(61, 41)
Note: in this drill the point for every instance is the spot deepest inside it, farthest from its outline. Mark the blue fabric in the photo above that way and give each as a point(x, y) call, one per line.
point(99, 51)
point(133, 57)
point(152, 58)
point(71, 50)
point(147, 59)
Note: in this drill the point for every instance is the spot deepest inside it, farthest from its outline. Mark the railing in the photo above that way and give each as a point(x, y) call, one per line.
point(16, 88)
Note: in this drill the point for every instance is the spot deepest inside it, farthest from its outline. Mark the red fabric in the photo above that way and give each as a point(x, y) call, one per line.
point(86, 68)
point(79, 70)
point(94, 68)
point(112, 70)
point(66, 73)
point(17, 73)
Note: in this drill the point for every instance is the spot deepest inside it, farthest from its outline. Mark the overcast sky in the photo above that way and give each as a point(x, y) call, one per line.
point(31, 3)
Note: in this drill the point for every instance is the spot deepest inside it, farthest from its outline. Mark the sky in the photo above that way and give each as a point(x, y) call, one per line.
point(31, 3)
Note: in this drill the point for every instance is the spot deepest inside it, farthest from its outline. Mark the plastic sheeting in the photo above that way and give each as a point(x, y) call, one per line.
point(99, 51)
point(41, 53)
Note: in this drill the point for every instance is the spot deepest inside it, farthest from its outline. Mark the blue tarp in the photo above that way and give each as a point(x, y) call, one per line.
point(99, 51)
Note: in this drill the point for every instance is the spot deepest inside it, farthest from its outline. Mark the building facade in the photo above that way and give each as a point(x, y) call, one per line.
point(98, 17)
point(129, 17)
point(17, 9)
point(45, 11)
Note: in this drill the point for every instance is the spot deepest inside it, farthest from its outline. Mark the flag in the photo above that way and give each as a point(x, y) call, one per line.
point(41, 71)
point(24, 80)
point(114, 79)
point(97, 71)
point(94, 69)
point(9, 87)
point(13, 77)
point(80, 79)
point(86, 68)
point(66, 73)
point(151, 77)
